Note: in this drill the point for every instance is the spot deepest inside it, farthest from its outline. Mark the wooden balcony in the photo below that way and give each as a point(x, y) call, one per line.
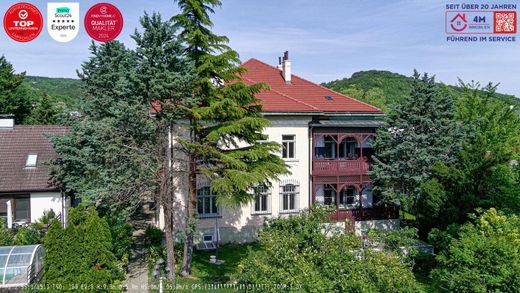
point(339, 167)
point(366, 214)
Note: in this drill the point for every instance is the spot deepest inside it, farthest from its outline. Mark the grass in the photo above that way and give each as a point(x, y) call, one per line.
point(205, 275)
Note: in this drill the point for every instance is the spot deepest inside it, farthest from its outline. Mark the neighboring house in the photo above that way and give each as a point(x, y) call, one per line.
point(327, 142)
point(25, 191)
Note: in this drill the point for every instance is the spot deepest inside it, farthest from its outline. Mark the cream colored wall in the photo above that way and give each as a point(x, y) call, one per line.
point(238, 219)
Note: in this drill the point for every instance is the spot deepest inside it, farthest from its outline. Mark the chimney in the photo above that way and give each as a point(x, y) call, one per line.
point(6, 122)
point(286, 68)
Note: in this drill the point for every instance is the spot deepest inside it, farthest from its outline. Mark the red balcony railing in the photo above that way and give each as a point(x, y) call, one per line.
point(339, 167)
point(366, 214)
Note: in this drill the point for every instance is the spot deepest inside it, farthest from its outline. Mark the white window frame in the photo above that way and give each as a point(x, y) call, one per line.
point(355, 203)
point(285, 193)
point(32, 161)
point(213, 202)
point(286, 146)
point(262, 191)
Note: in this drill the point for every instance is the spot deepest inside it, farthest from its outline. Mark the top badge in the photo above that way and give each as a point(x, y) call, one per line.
point(23, 22)
point(63, 21)
point(103, 22)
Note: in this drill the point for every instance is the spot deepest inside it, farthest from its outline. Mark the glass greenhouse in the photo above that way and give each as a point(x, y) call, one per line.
point(20, 265)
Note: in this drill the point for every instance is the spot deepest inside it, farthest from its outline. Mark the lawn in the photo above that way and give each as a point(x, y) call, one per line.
point(205, 276)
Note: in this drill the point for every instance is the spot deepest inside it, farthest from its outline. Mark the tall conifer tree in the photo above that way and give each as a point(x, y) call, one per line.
point(420, 131)
point(224, 120)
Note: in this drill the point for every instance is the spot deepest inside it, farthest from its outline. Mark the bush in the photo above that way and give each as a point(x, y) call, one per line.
point(301, 253)
point(485, 257)
point(81, 254)
point(153, 235)
point(6, 235)
point(28, 235)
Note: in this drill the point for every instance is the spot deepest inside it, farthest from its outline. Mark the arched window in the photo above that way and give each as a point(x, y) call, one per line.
point(289, 197)
point(206, 203)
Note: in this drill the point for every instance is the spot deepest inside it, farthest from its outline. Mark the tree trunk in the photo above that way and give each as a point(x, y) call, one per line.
point(190, 220)
point(167, 201)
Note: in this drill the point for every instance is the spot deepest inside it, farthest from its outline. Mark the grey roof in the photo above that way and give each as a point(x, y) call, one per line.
point(15, 145)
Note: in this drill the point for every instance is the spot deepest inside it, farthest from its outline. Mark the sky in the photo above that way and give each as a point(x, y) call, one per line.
point(326, 40)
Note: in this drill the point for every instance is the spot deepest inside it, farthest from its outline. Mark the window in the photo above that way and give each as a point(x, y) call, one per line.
point(206, 203)
point(31, 160)
point(330, 147)
point(207, 238)
point(348, 197)
point(20, 208)
point(288, 145)
point(329, 196)
point(261, 205)
point(289, 198)
point(349, 149)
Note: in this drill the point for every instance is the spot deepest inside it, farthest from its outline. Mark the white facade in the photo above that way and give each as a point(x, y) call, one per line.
point(45, 201)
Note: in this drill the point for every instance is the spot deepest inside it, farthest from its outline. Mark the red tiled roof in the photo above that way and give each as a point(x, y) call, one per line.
point(15, 145)
point(299, 96)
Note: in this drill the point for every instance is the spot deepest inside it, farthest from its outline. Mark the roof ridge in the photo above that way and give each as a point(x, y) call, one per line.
point(287, 96)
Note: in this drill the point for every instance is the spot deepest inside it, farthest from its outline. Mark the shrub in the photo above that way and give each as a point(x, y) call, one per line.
point(6, 235)
point(28, 235)
point(485, 257)
point(301, 253)
point(153, 235)
point(81, 254)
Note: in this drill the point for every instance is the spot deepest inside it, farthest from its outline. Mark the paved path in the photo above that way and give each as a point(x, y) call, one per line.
point(137, 276)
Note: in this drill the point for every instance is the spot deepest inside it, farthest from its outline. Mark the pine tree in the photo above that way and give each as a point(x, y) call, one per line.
point(420, 131)
point(224, 120)
point(13, 95)
point(165, 78)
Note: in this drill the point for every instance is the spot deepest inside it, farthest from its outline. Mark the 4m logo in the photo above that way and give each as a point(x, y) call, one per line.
point(23, 22)
point(63, 21)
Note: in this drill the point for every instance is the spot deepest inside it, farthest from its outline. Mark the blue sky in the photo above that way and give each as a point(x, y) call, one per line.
point(326, 40)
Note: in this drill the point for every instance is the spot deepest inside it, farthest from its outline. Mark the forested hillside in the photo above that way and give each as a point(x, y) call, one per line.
point(382, 88)
point(65, 90)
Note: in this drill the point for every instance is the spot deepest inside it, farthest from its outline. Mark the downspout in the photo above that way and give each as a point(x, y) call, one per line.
point(311, 147)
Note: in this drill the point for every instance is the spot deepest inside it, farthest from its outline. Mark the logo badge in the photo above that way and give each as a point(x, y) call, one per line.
point(103, 22)
point(23, 22)
point(63, 21)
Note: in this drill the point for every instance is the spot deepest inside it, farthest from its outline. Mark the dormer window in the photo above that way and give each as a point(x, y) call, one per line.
point(31, 161)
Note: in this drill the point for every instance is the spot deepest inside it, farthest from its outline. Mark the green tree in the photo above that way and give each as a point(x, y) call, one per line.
point(166, 78)
point(485, 256)
point(46, 112)
point(304, 254)
point(81, 254)
point(374, 96)
point(13, 95)
point(224, 120)
point(482, 175)
point(420, 131)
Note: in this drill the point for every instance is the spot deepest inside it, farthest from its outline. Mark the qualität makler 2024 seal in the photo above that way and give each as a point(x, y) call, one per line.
point(103, 22)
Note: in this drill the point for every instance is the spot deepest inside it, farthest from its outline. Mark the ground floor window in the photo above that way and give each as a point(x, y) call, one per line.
point(348, 197)
point(262, 200)
point(289, 197)
point(206, 202)
point(20, 208)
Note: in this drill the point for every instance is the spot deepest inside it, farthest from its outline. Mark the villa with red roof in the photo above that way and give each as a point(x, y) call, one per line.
point(327, 141)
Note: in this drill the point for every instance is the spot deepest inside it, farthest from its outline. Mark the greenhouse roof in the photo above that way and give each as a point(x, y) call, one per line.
point(19, 265)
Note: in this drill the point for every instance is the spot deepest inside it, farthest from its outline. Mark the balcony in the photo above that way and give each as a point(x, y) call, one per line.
point(340, 167)
point(366, 214)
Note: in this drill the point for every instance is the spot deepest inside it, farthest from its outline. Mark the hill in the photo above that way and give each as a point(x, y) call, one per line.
point(382, 88)
point(65, 90)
